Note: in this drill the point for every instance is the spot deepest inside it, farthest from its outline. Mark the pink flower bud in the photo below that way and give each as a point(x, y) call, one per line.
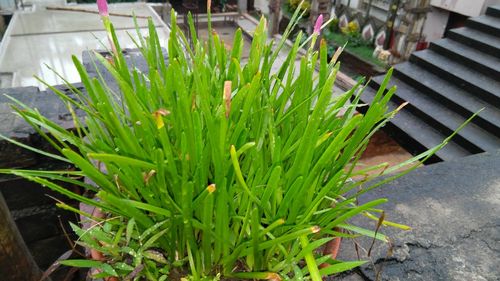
point(102, 6)
point(317, 25)
point(227, 97)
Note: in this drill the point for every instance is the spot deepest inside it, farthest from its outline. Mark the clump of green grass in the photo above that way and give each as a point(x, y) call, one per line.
point(215, 169)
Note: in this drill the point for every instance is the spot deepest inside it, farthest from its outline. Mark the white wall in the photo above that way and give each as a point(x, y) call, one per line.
point(471, 8)
point(435, 24)
point(354, 3)
point(437, 18)
point(262, 5)
point(490, 3)
point(378, 13)
point(7, 5)
point(464, 7)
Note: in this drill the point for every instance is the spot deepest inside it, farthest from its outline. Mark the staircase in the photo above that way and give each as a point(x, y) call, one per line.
point(445, 85)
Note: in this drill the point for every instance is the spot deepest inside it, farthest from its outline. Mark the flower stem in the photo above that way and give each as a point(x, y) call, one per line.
point(311, 262)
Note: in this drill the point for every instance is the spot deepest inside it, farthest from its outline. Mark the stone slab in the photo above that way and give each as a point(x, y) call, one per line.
point(454, 211)
point(47, 221)
point(49, 105)
point(22, 195)
point(414, 134)
point(47, 251)
point(133, 58)
point(484, 62)
point(468, 78)
point(485, 42)
point(12, 126)
point(460, 100)
point(486, 23)
point(493, 11)
point(440, 116)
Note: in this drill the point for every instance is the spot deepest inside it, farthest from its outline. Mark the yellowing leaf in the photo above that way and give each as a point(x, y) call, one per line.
point(158, 115)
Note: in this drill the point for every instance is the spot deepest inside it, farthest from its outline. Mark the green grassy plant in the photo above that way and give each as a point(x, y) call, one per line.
point(215, 168)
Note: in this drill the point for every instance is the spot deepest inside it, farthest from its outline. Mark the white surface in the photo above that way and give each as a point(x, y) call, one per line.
point(7, 5)
point(437, 18)
point(353, 3)
point(262, 5)
point(54, 21)
point(51, 37)
point(29, 55)
point(489, 3)
point(435, 24)
point(464, 7)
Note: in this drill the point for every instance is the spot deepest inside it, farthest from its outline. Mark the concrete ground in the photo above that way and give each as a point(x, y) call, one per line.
point(40, 36)
point(453, 209)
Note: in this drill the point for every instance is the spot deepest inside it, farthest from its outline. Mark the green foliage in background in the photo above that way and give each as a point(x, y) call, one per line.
point(304, 6)
point(354, 44)
point(216, 167)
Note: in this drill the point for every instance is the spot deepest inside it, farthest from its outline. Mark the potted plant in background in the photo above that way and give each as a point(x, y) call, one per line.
point(292, 5)
point(214, 168)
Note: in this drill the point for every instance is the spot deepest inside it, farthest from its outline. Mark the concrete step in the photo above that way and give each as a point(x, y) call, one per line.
point(468, 56)
point(493, 11)
point(455, 98)
point(471, 137)
point(465, 77)
point(24, 94)
point(415, 135)
point(482, 41)
point(486, 24)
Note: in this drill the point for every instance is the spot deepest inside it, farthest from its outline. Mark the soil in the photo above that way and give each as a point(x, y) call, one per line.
point(382, 148)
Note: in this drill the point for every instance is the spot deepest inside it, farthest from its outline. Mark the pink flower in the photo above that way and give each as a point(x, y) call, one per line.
point(317, 25)
point(102, 6)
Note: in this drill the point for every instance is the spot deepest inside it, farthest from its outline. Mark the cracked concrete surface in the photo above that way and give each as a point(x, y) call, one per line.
point(454, 211)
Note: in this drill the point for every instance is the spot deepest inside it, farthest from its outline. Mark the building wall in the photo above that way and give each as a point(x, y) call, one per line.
point(378, 11)
point(489, 3)
point(465, 7)
point(7, 5)
point(354, 3)
point(262, 5)
point(435, 24)
point(437, 18)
